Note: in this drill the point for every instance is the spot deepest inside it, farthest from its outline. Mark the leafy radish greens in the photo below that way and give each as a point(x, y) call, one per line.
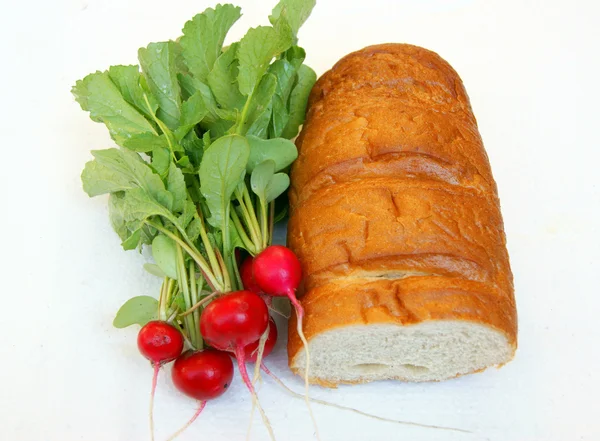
point(204, 147)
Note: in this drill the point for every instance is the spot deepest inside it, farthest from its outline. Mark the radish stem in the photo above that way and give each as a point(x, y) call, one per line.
point(194, 299)
point(242, 233)
point(183, 280)
point(227, 280)
point(251, 222)
point(252, 218)
point(194, 254)
point(200, 303)
point(190, 422)
point(264, 223)
point(212, 257)
point(271, 220)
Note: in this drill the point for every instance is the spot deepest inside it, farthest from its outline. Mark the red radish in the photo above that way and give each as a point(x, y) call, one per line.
point(277, 272)
point(232, 322)
point(203, 375)
point(251, 351)
point(160, 343)
point(246, 275)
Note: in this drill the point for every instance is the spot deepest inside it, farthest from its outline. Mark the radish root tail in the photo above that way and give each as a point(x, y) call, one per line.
point(190, 422)
point(259, 355)
point(299, 318)
point(359, 412)
point(156, 367)
point(241, 359)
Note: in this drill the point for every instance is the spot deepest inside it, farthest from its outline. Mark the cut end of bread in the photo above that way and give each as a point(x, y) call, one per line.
point(427, 351)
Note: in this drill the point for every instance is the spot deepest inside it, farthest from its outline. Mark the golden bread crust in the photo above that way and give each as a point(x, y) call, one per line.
point(394, 210)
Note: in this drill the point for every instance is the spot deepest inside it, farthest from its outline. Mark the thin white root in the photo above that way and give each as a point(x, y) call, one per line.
point(260, 349)
point(359, 412)
point(241, 359)
point(156, 367)
point(260, 352)
point(299, 317)
point(190, 422)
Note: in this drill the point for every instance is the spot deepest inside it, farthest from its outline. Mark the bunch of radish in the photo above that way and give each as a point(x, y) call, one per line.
point(233, 324)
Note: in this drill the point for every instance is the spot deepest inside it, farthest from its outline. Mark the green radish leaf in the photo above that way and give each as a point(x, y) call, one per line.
point(193, 229)
point(277, 185)
point(147, 235)
point(192, 112)
point(260, 126)
point(194, 147)
point(260, 178)
point(295, 12)
point(285, 72)
point(97, 94)
point(98, 179)
point(180, 64)
point(211, 122)
point(189, 85)
point(133, 88)
point(164, 252)
point(280, 117)
point(161, 161)
point(116, 170)
point(133, 241)
point(139, 206)
point(206, 139)
point(146, 142)
point(166, 199)
point(266, 184)
point(185, 165)
point(137, 310)
point(116, 215)
point(223, 80)
point(256, 50)
point(203, 38)
point(176, 186)
point(282, 151)
point(189, 211)
point(155, 270)
point(296, 56)
point(299, 100)
point(261, 103)
point(158, 64)
point(222, 169)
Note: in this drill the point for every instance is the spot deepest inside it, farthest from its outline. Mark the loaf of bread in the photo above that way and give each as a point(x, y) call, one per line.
point(396, 220)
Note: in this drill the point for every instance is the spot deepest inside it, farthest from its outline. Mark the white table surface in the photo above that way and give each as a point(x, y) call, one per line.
point(531, 69)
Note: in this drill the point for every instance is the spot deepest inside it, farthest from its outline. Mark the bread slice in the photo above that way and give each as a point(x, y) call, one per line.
point(396, 220)
point(430, 351)
point(416, 328)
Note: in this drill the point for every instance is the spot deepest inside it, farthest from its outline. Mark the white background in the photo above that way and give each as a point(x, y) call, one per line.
point(531, 69)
